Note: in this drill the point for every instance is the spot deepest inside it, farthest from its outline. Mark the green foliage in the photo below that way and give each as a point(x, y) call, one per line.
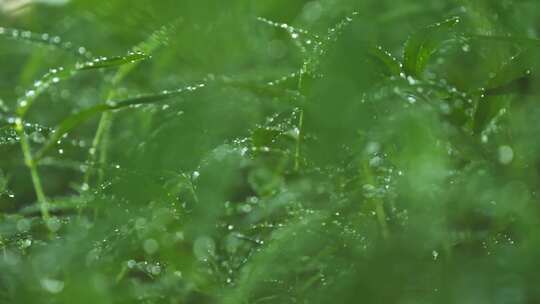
point(423, 44)
point(269, 151)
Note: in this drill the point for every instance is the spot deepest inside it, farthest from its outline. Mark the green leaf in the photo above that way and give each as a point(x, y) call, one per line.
point(514, 75)
point(44, 39)
point(110, 62)
point(390, 65)
point(421, 46)
point(264, 137)
point(56, 75)
point(157, 39)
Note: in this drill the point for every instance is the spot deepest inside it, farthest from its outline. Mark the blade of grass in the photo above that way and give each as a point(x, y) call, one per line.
point(32, 166)
point(512, 73)
point(513, 77)
point(45, 39)
point(389, 63)
point(109, 62)
point(56, 75)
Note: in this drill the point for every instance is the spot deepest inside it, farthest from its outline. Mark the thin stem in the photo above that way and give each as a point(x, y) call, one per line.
point(104, 146)
point(298, 150)
point(97, 147)
point(32, 166)
point(379, 205)
point(381, 218)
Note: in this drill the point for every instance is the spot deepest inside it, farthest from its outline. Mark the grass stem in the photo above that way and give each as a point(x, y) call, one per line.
point(300, 126)
point(32, 166)
point(379, 204)
point(98, 147)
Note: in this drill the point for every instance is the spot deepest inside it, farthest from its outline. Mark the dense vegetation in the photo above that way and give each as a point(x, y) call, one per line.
point(287, 151)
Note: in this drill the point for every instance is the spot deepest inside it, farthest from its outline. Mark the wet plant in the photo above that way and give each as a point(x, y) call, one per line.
point(272, 152)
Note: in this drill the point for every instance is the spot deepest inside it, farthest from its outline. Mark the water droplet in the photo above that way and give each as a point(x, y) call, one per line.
point(155, 269)
point(373, 147)
point(131, 263)
point(506, 155)
point(140, 223)
point(375, 161)
point(204, 247)
point(25, 243)
point(54, 224)
point(51, 285)
point(150, 246)
point(23, 225)
point(369, 190)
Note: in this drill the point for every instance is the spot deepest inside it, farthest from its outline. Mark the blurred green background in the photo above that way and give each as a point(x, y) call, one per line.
point(339, 151)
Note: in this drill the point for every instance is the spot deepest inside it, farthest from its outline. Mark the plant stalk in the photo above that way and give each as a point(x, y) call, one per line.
point(300, 126)
point(99, 146)
point(379, 205)
point(32, 166)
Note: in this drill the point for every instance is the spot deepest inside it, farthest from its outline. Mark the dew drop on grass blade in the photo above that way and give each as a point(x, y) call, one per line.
point(152, 43)
point(109, 62)
point(45, 39)
point(514, 77)
point(56, 75)
point(390, 64)
point(514, 74)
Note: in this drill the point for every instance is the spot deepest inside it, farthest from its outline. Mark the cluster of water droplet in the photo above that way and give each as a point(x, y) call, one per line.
point(44, 38)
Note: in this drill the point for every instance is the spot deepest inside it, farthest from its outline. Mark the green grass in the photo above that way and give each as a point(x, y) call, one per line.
point(269, 152)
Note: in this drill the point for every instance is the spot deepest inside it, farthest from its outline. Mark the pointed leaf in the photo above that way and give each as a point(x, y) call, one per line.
point(44, 39)
point(514, 75)
point(111, 62)
point(58, 74)
point(391, 65)
point(421, 46)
